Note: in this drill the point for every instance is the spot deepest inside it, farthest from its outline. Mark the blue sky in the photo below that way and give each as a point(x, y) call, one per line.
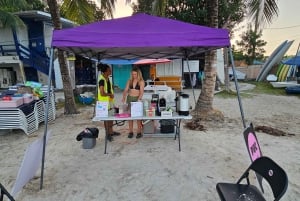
point(285, 27)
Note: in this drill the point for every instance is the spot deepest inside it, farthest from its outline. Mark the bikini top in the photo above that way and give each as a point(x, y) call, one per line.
point(137, 86)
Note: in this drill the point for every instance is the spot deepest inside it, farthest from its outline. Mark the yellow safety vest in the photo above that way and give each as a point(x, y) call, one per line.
point(104, 98)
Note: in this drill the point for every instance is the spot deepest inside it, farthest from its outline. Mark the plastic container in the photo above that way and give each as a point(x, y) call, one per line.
point(150, 113)
point(184, 104)
point(86, 100)
point(88, 143)
point(88, 137)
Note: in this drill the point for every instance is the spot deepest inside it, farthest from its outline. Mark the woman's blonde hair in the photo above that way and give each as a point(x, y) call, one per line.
point(139, 74)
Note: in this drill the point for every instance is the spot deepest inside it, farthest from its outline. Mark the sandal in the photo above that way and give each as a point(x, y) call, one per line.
point(139, 135)
point(130, 135)
point(115, 134)
point(110, 138)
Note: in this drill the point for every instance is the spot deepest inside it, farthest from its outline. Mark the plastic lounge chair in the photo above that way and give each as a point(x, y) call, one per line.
point(268, 169)
point(3, 192)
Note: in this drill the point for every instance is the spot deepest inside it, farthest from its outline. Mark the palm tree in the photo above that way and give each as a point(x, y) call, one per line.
point(83, 9)
point(204, 109)
point(70, 106)
point(261, 12)
point(159, 7)
point(7, 17)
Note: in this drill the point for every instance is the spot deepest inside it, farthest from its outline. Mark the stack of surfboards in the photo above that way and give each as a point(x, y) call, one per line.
point(274, 59)
point(284, 71)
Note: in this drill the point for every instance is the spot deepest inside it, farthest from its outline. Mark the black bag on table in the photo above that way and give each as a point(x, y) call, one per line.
point(167, 126)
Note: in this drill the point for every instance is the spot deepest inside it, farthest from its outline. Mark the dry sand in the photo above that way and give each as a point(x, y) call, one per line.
point(152, 169)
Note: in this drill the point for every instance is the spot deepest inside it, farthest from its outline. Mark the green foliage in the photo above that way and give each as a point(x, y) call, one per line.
point(13, 5)
point(231, 12)
point(7, 10)
point(226, 94)
point(84, 11)
point(251, 45)
point(237, 54)
point(232, 94)
point(36, 5)
point(260, 88)
point(79, 11)
point(143, 6)
point(188, 11)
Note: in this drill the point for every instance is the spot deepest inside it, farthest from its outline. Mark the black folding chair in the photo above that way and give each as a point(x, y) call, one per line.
point(3, 192)
point(265, 167)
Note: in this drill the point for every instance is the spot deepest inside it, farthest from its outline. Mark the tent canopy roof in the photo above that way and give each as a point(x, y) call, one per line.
point(292, 61)
point(140, 36)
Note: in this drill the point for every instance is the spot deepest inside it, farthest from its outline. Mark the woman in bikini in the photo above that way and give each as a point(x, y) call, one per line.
point(134, 92)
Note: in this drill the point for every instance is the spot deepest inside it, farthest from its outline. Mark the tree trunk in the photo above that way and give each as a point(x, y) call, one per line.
point(226, 71)
point(204, 106)
point(70, 106)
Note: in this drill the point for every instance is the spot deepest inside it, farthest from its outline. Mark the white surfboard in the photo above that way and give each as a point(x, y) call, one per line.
point(270, 59)
point(276, 59)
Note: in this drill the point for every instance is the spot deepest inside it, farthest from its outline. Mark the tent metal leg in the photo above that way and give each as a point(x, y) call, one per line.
point(237, 87)
point(46, 116)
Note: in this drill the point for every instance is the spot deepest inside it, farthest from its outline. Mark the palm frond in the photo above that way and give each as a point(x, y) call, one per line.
point(79, 11)
point(262, 11)
point(9, 20)
point(108, 7)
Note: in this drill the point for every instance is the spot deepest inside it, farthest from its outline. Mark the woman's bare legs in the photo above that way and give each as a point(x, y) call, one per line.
point(139, 129)
point(130, 123)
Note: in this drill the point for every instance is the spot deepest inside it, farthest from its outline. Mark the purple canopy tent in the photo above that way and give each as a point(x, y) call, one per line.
point(139, 36)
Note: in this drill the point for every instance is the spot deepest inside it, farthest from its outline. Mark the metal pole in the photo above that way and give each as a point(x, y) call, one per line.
point(46, 116)
point(188, 65)
point(237, 87)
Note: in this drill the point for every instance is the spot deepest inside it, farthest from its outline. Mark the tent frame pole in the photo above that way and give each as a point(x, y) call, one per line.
point(46, 116)
point(237, 87)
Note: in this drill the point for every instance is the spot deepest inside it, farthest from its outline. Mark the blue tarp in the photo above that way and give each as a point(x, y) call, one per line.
point(292, 61)
point(119, 61)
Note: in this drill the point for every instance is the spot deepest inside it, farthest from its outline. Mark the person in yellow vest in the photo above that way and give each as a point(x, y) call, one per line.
point(106, 94)
point(134, 92)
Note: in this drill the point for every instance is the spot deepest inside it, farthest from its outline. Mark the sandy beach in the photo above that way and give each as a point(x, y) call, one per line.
point(152, 169)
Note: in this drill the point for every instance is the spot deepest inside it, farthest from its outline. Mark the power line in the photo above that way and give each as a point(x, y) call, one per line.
point(284, 27)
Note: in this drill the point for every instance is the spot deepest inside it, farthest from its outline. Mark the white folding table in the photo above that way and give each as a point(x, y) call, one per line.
point(177, 120)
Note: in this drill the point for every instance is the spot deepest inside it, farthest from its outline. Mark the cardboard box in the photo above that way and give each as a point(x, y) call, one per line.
point(136, 109)
point(102, 109)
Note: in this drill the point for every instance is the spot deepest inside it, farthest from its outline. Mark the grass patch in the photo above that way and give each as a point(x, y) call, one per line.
point(226, 94)
point(260, 88)
point(232, 94)
point(266, 88)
